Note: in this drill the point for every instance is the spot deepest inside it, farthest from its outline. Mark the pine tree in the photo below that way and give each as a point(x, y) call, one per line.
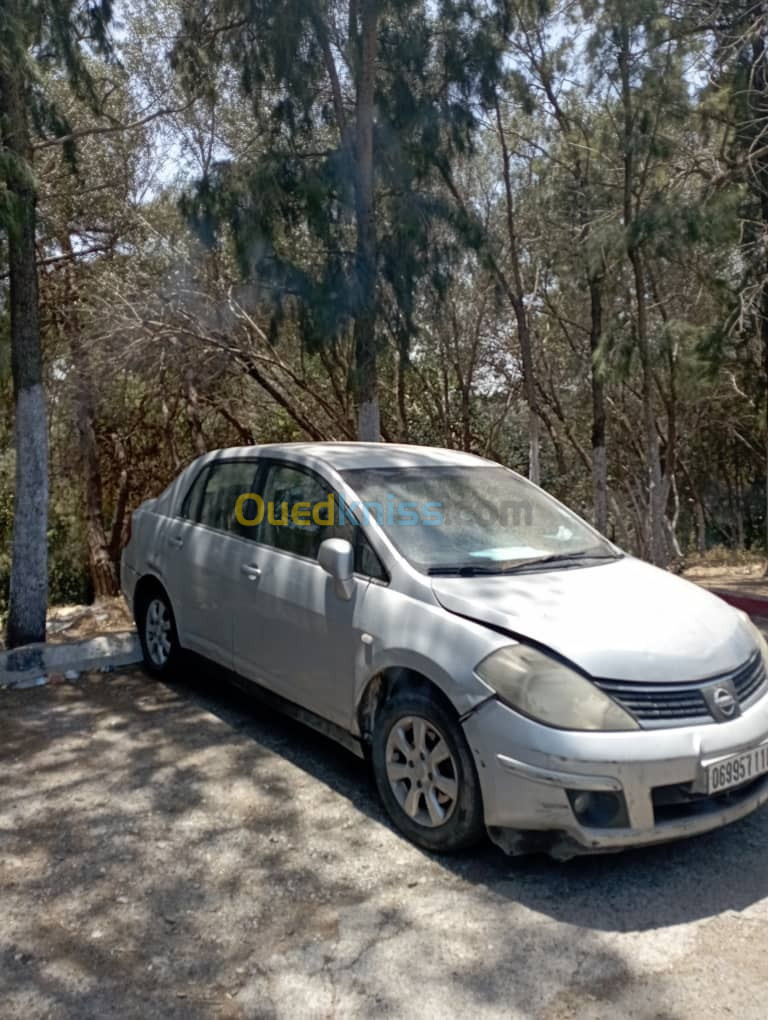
point(738, 94)
point(33, 37)
point(356, 105)
point(637, 53)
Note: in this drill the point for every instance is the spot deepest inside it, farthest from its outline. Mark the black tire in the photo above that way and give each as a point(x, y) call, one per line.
point(157, 660)
point(398, 721)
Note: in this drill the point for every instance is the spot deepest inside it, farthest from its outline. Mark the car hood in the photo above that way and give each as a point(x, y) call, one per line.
point(621, 620)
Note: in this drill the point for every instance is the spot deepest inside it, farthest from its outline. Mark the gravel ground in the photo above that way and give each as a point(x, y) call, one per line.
point(184, 852)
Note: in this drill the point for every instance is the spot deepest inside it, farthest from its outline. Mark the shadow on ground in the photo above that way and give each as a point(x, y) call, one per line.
point(184, 851)
point(670, 884)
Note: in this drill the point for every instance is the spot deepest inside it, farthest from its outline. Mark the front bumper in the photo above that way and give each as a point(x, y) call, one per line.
point(525, 770)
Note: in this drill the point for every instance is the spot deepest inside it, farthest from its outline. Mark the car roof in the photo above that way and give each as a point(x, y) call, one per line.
point(345, 456)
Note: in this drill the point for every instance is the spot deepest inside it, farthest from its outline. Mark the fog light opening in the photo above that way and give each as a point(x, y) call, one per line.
point(598, 810)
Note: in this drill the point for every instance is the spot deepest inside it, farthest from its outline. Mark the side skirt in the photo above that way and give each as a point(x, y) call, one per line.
point(285, 707)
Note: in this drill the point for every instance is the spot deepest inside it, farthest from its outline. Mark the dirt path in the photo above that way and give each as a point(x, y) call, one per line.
point(185, 853)
point(748, 580)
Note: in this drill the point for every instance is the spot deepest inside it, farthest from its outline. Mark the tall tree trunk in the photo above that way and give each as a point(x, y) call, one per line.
point(531, 399)
point(758, 178)
point(194, 418)
point(701, 527)
point(120, 456)
point(657, 543)
point(764, 340)
point(102, 566)
point(672, 522)
point(369, 423)
point(517, 297)
point(699, 510)
point(29, 564)
point(599, 457)
point(655, 529)
point(402, 409)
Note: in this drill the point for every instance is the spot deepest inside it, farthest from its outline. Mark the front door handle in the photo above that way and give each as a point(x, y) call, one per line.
point(176, 541)
point(251, 571)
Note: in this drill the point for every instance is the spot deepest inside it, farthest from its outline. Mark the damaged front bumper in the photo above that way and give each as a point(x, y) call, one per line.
point(570, 793)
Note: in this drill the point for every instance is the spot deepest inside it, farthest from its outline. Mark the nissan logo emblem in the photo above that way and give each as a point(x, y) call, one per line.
point(724, 701)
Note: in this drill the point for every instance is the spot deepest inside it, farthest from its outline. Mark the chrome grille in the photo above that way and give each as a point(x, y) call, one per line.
point(681, 704)
point(750, 679)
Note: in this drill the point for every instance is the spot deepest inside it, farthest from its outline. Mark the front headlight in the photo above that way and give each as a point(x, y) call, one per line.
point(551, 693)
point(758, 637)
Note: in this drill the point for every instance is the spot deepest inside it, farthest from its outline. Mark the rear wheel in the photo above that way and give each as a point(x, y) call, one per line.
point(157, 633)
point(425, 774)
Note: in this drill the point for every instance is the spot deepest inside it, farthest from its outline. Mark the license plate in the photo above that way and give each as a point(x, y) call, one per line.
point(737, 769)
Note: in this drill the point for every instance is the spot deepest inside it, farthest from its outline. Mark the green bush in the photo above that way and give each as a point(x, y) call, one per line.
point(69, 579)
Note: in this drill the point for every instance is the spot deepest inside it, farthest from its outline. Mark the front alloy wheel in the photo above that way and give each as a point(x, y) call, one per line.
point(424, 771)
point(421, 770)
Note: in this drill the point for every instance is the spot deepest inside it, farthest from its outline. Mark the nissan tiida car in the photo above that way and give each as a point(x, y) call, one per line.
point(502, 665)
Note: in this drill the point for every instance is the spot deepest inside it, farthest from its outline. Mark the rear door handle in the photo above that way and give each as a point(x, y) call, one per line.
point(251, 571)
point(176, 540)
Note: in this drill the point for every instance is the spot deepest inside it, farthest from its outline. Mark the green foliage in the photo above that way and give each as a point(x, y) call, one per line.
point(253, 305)
point(69, 579)
point(37, 40)
point(432, 67)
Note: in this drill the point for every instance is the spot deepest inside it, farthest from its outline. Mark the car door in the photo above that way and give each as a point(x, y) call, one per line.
point(293, 632)
point(205, 547)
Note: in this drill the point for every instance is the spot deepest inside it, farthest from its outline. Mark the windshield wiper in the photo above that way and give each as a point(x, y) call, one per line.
point(475, 569)
point(552, 558)
point(463, 570)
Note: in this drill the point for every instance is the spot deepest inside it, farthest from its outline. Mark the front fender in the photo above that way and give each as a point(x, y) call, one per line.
point(406, 633)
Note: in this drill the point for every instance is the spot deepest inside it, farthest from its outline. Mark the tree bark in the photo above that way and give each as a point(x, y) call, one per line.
point(655, 530)
point(657, 544)
point(402, 409)
point(759, 179)
point(369, 423)
point(581, 173)
point(102, 565)
point(521, 312)
point(599, 457)
point(699, 510)
point(120, 455)
point(194, 418)
point(701, 528)
point(29, 563)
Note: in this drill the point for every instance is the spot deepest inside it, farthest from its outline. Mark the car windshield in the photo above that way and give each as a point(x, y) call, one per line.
point(473, 520)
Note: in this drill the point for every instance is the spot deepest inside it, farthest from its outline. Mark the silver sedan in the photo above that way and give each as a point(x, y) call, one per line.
point(502, 665)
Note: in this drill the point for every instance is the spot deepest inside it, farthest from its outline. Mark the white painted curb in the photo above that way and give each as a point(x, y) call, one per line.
point(21, 665)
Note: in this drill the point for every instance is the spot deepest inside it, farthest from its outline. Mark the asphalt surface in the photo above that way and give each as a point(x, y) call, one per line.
point(183, 852)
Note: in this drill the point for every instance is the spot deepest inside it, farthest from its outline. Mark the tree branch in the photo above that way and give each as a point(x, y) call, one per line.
point(111, 129)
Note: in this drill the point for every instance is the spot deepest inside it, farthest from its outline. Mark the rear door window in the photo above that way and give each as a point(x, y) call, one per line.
point(191, 504)
point(214, 501)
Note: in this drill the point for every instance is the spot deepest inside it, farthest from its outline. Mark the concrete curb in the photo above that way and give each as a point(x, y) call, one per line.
point(27, 666)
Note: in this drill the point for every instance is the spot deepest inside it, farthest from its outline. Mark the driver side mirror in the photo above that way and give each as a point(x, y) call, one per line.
point(337, 558)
